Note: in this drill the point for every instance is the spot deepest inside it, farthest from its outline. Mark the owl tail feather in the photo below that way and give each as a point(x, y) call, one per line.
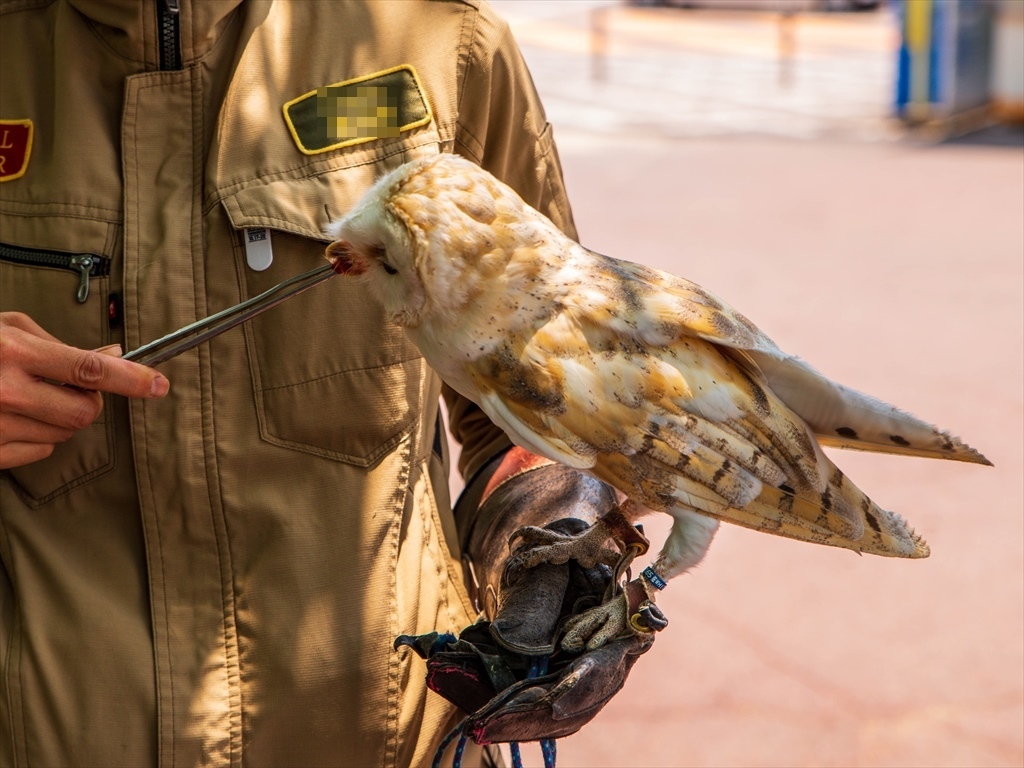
point(844, 418)
point(840, 516)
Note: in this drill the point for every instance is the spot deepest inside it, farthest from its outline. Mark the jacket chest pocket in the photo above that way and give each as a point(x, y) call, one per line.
point(66, 292)
point(331, 377)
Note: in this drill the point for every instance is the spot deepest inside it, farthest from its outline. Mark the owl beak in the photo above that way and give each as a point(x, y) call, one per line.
point(345, 259)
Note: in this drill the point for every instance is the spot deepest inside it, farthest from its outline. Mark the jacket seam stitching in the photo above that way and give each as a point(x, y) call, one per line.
point(354, 459)
point(24, 5)
point(446, 576)
point(10, 208)
point(224, 35)
point(94, 31)
point(228, 627)
point(341, 373)
point(545, 143)
point(236, 258)
point(400, 497)
point(477, 152)
point(428, 518)
point(468, 42)
point(215, 501)
point(15, 640)
point(149, 478)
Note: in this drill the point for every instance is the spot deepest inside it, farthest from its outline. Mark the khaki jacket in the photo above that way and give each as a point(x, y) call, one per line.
point(216, 578)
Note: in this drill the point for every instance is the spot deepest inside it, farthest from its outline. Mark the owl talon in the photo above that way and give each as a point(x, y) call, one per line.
point(530, 536)
point(577, 541)
point(594, 628)
point(532, 546)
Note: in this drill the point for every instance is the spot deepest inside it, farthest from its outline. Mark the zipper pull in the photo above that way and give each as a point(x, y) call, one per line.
point(172, 6)
point(83, 263)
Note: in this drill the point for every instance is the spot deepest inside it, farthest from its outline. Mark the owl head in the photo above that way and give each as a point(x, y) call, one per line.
point(431, 236)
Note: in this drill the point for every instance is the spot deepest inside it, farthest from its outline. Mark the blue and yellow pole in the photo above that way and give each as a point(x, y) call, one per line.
point(917, 84)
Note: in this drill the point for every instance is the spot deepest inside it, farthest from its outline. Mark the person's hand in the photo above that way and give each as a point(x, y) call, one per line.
point(49, 390)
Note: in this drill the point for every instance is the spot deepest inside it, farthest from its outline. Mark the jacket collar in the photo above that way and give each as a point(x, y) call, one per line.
point(131, 27)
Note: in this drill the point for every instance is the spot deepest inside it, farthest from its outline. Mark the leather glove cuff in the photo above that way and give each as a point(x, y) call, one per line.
point(518, 489)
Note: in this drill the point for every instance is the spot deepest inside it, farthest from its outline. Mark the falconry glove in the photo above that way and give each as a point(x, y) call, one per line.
point(512, 670)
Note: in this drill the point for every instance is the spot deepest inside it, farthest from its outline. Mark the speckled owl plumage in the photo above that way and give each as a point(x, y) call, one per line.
point(640, 378)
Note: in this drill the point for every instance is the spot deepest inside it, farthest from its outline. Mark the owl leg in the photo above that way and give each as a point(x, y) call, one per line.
point(685, 547)
point(532, 545)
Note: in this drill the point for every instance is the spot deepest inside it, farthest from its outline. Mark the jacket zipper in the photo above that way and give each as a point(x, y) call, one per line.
point(87, 265)
point(168, 15)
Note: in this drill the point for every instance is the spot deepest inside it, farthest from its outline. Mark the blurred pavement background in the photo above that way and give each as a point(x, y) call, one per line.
point(614, 68)
point(892, 263)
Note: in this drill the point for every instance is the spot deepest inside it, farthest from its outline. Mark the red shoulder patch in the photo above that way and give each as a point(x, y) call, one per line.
point(15, 148)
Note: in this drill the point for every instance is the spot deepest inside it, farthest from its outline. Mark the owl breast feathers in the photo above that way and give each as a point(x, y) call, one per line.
point(640, 378)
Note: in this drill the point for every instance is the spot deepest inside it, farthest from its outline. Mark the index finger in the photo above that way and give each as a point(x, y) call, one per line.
point(99, 371)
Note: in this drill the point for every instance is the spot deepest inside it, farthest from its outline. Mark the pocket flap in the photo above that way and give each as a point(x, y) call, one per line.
point(304, 206)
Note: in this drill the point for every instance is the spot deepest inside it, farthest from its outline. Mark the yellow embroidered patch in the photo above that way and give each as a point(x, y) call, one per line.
point(381, 105)
point(15, 148)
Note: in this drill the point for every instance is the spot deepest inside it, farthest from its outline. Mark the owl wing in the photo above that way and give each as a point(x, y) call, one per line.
point(838, 415)
point(626, 381)
point(676, 426)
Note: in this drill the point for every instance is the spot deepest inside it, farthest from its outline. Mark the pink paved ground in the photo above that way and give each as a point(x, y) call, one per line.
point(892, 267)
point(896, 269)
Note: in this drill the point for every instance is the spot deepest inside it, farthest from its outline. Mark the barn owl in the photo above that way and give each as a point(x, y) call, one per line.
point(642, 379)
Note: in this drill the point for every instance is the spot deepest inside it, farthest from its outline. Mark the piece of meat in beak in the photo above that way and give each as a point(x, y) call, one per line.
point(345, 259)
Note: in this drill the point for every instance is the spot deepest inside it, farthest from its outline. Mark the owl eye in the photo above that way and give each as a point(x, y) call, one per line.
point(381, 255)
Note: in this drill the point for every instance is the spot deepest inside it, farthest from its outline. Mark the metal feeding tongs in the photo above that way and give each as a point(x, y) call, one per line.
point(193, 335)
